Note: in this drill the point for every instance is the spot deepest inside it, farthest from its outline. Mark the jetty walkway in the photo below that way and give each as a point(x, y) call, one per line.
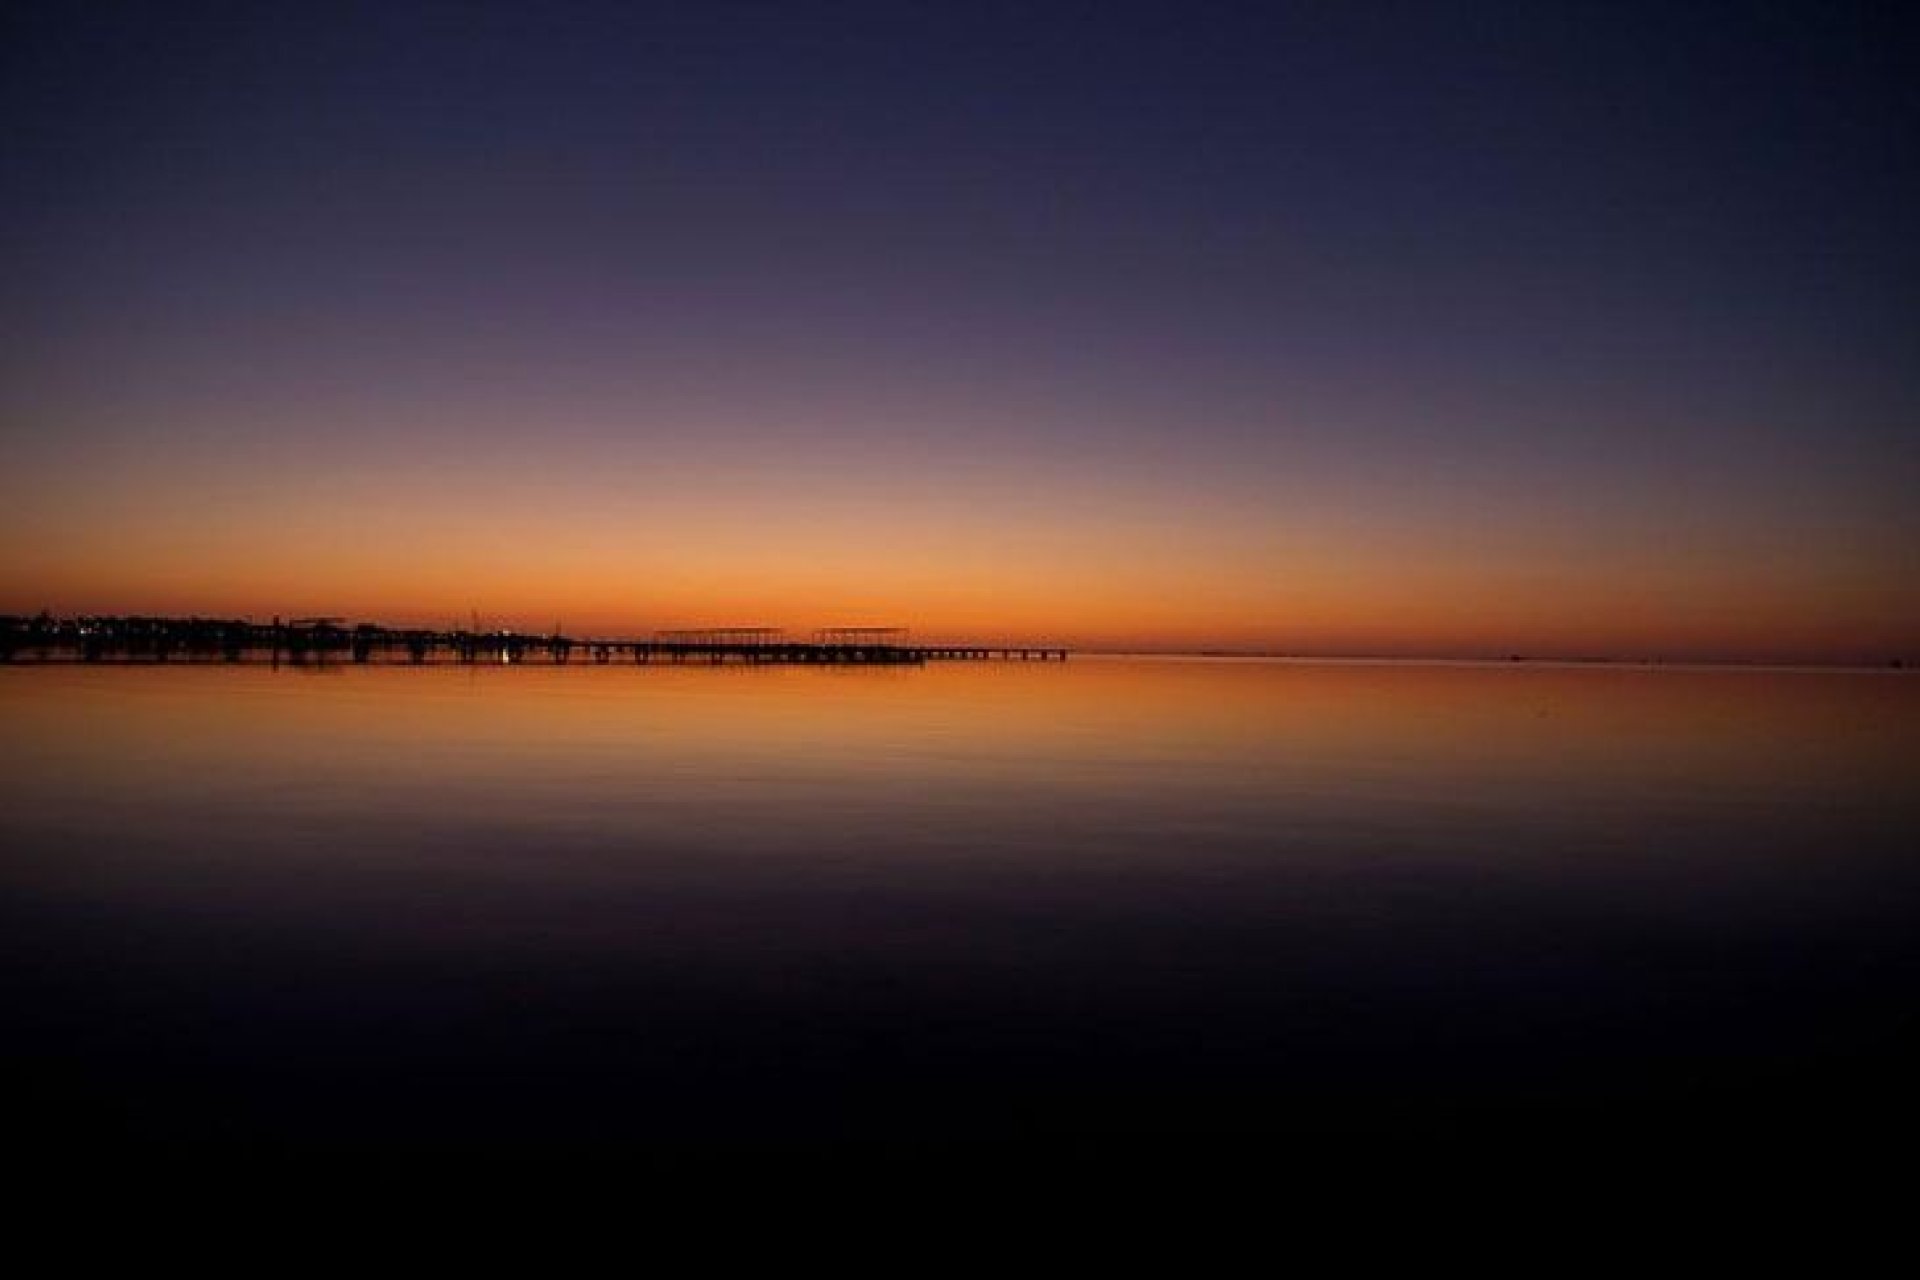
point(328, 640)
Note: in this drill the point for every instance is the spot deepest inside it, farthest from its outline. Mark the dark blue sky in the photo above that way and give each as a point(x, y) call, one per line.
point(1349, 273)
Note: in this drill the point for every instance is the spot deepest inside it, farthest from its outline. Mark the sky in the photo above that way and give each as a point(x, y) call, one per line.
point(1317, 328)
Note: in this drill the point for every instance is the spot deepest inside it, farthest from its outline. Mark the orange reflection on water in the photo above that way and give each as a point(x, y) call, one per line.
point(748, 753)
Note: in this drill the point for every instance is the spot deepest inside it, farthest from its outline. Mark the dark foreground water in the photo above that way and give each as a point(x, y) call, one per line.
point(1214, 908)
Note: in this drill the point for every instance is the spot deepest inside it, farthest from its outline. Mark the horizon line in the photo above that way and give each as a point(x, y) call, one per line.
point(1479, 655)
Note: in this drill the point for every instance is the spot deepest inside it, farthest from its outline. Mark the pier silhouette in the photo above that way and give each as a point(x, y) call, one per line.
point(318, 640)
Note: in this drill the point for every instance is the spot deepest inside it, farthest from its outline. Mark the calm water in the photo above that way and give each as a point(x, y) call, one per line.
point(1109, 904)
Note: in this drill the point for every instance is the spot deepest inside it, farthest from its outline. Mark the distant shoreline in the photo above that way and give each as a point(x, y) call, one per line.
point(19, 632)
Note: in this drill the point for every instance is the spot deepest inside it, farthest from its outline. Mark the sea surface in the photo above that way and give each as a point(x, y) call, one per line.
point(1106, 906)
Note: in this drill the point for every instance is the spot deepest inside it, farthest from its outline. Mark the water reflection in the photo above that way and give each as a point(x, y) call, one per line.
point(703, 909)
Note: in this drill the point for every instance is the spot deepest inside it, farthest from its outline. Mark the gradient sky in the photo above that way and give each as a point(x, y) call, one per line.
point(1386, 328)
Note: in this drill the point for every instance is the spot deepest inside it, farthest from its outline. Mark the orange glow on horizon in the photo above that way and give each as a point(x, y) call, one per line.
point(1015, 549)
point(1435, 609)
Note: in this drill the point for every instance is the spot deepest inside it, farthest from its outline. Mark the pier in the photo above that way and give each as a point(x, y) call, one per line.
point(300, 641)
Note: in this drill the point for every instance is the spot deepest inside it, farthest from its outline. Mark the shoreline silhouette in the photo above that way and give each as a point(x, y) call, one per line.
point(159, 638)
